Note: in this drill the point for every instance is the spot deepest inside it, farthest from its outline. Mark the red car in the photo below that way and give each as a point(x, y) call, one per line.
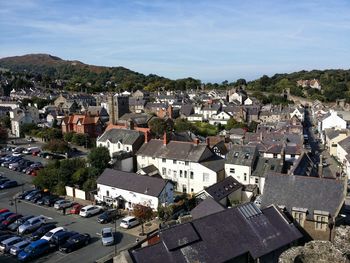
point(35, 153)
point(75, 209)
point(10, 220)
point(4, 210)
point(35, 171)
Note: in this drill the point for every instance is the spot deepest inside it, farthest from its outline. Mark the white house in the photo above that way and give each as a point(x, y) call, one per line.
point(121, 140)
point(297, 112)
point(190, 165)
point(222, 118)
point(248, 101)
point(343, 150)
point(195, 117)
point(240, 162)
point(331, 120)
point(124, 190)
point(23, 116)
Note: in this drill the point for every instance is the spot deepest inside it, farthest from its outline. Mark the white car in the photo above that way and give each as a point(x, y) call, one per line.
point(129, 222)
point(107, 236)
point(60, 204)
point(90, 210)
point(49, 234)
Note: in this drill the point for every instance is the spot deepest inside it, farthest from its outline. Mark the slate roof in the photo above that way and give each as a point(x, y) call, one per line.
point(312, 193)
point(304, 166)
point(224, 188)
point(241, 155)
point(266, 165)
point(207, 207)
point(124, 136)
point(221, 237)
point(345, 144)
point(186, 109)
point(174, 150)
point(333, 133)
point(152, 186)
point(137, 118)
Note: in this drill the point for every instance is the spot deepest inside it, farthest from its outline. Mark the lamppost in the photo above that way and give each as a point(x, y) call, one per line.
point(14, 201)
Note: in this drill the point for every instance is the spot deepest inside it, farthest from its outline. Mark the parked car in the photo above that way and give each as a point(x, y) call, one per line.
point(75, 242)
point(30, 139)
point(25, 193)
point(44, 154)
point(31, 194)
point(23, 166)
point(3, 180)
point(49, 234)
point(9, 184)
point(13, 166)
point(31, 225)
point(75, 210)
point(18, 149)
point(34, 250)
point(107, 236)
point(50, 200)
point(30, 150)
point(9, 220)
point(17, 154)
point(6, 236)
point(129, 222)
point(5, 215)
point(4, 210)
point(18, 222)
point(90, 210)
point(18, 247)
point(38, 196)
point(108, 216)
point(59, 238)
point(34, 171)
point(13, 159)
point(60, 204)
point(7, 243)
point(41, 231)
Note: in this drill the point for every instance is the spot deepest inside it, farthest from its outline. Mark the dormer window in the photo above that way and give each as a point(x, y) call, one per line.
point(299, 214)
point(236, 154)
point(246, 156)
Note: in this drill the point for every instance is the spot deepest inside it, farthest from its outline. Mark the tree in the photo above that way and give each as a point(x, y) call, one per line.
point(6, 121)
point(99, 158)
point(157, 126)
point(143, 214)
point(183, 125)
point(241, 82)
point(68, 136)
point(232, 123)
point(58, 146)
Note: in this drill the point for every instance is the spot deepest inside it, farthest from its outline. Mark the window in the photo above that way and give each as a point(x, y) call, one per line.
point(163, 160)
point(186, 162)
point(153, 158)
point(163, 171)
point(236, 155)
point(107, 144)
point(232, 170)
point(127, 148)
point(180, 173)
point(205, 177)
point(245, 177)
point(299, 216)
point(184, 188)
point(292, 155)
point(321, 222)
point(118, 145)
point(275, 155)
point(185, 175)
point(107, 193)
point(143, 157)
point(191, 175)
point(246, 156)
point(192, 190)
point(256, 180)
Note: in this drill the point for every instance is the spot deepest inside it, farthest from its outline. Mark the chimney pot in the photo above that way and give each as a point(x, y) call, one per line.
point(165, 139)
point(207, 141)
point(196, 141)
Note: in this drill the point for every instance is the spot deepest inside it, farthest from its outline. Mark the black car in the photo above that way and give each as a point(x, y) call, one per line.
point(18, 222)
point(51, 199)
point(25, 193)
point(75, 242)
point(61, 237)
point(37, 197)
point(108, 216)
point(42, 231)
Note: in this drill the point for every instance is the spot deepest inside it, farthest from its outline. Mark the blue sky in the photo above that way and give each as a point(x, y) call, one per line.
point(211, 40)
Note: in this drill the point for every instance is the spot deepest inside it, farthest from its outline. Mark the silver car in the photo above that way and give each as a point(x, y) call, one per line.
point(107, 236)
point(31, 224)
point(60, 204)
point(18, 247)
point(7, 243)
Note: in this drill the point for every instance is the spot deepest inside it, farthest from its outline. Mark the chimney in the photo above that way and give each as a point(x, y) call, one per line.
point(170, 112)
point(147, 137)
point(131, 125)
point(165, 139)
point(98, 113)
point(207, 141)
point(320, 167)
point(261, 136)
point(196, 141)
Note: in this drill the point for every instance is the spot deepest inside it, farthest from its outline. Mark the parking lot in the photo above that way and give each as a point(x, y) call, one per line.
point(90, 253)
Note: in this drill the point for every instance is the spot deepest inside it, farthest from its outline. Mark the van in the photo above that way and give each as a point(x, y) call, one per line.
point(129, 222)
point(31, 150)
point(34, 250)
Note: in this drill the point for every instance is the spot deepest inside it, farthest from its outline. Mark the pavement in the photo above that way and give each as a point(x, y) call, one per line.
point(90, 253)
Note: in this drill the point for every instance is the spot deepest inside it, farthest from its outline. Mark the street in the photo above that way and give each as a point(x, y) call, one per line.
point(90, 253)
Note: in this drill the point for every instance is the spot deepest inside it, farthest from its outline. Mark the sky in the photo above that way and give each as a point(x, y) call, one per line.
point(211, 40)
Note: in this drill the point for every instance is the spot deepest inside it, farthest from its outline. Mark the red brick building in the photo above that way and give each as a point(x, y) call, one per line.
point(83, 124)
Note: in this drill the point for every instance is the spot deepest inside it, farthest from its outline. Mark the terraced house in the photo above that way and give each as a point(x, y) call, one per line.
point(192, 166)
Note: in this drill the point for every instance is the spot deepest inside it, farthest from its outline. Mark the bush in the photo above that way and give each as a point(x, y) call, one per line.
point(58, 146)
point(68, 136)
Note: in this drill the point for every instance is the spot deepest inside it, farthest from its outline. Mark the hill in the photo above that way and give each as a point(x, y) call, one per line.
point(95, 78)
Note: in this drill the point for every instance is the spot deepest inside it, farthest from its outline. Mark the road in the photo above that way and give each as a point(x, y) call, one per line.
point(89, 253)
point(332, 167)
